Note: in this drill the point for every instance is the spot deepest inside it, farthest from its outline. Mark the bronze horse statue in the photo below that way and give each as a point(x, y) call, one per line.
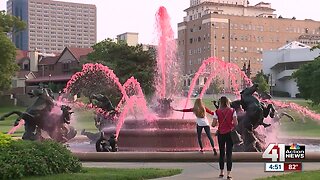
point(39, 116)
point(255, 110)
point(111, 114)
point(107, 118)
point(251, 113)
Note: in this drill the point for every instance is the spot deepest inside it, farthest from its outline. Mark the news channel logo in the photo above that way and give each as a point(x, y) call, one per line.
point(280, 154)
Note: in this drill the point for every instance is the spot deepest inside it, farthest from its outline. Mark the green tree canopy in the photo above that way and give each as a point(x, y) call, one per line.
point(10, 23)
point(127, 61)
point(308, 79)
point(8, 64)
point(262, 80)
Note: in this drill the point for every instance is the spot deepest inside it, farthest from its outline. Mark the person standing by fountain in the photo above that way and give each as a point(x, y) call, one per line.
point(202, 122)
point(226, 119)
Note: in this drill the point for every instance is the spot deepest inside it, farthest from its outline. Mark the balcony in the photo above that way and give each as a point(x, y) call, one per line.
point(285, 74)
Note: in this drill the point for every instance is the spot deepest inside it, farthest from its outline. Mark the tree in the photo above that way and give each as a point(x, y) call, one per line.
point(94, 82)
point(8, 66)
point(216, 86)
point(262, 80)
point(307, 78)
point(127, 61)
point(10, 23)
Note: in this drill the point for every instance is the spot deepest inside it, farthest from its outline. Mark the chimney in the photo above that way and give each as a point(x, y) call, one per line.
point(34, 60)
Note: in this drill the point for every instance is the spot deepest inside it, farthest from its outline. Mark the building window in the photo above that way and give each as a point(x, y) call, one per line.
point(306, 30)
point(26, 67)
point(66, 66)
point(51, 67)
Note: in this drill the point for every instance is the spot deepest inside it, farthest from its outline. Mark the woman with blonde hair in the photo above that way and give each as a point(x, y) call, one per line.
point(202, 122)
point(226, 119)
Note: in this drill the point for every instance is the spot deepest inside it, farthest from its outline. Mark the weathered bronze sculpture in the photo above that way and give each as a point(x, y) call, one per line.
point(106, 118)
point(39, 117)
point(164, 108)
point(104, 145)
point(251, 113)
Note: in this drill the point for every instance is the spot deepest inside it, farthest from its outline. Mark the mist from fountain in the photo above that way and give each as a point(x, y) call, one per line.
point(168, 69)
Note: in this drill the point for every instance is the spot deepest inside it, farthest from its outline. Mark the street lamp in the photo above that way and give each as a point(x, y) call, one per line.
point(270, 82)
point(49, 84)
point(25, 84)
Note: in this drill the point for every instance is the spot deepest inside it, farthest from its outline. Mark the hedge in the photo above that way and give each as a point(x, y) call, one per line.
point(30, 158)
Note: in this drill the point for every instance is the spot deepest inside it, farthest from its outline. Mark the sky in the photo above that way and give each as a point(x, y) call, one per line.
point(119, 16)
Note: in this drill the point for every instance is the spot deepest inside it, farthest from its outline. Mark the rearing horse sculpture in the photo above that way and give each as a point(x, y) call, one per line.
point(39, 117)
point(255, 110)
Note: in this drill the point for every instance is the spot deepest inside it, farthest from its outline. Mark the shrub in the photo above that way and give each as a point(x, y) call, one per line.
point(29, 158)
point(280, 94)
point(5, 139)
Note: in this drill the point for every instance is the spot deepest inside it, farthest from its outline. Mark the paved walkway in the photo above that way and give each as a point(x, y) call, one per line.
point(203, 171)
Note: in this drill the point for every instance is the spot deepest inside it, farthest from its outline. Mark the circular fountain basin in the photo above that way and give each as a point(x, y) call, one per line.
point(160, 135)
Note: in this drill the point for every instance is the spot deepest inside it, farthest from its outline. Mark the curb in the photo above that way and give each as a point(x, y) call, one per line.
point(178, 157)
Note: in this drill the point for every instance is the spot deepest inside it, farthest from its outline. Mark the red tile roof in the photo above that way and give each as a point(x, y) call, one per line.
point(48, 60)
point(78, 52)
point(20, 55)
point(22, 74)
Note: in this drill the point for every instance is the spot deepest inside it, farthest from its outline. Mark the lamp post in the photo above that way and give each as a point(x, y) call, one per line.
point(25, 84)
point(49, 83)
point(270, 78)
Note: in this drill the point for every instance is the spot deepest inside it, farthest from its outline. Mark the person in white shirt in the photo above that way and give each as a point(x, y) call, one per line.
point(202, 122)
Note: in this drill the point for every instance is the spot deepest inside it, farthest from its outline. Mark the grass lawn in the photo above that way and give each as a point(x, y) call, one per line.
point(302, 102)
point(7, 124)
point(84, 120)
point(306, 175)
point(110, 174)
point(303, 126)
point(208, 104)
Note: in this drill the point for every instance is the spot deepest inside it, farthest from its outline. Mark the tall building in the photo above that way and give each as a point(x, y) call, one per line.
point(54, 25)
point(235, 31)
point(131, 38)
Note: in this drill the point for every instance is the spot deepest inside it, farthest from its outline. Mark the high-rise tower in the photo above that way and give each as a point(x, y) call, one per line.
point(54, 25)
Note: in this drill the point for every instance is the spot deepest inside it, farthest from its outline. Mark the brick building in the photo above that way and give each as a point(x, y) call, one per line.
point(236, 32)
point(45, 68)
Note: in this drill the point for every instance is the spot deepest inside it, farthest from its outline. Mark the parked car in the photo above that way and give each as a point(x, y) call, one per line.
point(194, 93)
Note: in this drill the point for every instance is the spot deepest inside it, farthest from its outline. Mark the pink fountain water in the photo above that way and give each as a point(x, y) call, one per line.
point(136, 135)
point(167, 63)
point(92, 72)
point(171, 134)
point(212, 68)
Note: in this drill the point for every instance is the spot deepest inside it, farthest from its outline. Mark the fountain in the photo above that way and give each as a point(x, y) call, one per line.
point(139, 127)
point(157, 128)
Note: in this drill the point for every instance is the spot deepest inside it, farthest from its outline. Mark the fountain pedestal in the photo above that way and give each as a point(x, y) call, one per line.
point(161, 135)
